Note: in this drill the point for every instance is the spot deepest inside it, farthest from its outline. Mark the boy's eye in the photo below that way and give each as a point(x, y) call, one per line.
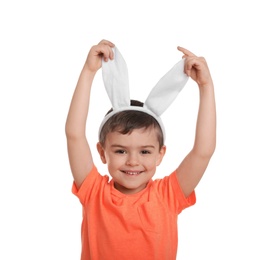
point(145, 152)
point(120, 151)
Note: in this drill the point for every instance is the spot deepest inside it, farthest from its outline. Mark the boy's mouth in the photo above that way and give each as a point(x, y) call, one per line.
point(132, 172)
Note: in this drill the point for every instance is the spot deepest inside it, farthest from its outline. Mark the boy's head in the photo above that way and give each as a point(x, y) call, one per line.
point(131, 144)
point(126, 121)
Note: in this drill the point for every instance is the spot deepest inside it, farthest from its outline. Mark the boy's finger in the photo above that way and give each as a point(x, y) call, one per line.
point(104, 50)
point(111, 44)
point(111, 54)
point(185, 51)
point(106, 47)
point(107, 53)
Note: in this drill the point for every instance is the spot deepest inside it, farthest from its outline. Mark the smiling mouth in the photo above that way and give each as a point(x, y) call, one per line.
point(132, 172)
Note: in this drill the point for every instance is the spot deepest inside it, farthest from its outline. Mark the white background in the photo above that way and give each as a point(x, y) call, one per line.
point(43, 47)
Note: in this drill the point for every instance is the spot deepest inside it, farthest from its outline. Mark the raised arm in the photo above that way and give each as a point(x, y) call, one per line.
point(192, 168)
point(80, 157)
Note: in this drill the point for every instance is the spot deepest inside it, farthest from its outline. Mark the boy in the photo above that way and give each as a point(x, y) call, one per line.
point(132, 216)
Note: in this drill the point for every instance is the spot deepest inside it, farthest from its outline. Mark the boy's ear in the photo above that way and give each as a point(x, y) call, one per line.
point(101, 152)
point(162, 152)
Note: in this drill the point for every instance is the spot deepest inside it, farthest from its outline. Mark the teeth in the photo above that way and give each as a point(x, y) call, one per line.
point(132, 173)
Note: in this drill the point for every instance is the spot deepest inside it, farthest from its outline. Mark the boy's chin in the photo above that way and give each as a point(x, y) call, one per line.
point(130, 189)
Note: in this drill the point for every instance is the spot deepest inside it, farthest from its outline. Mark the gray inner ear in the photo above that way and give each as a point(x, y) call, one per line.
point(116, 80)
point(167, 89)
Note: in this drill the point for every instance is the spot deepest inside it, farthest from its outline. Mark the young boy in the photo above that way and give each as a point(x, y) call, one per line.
point(133, 216)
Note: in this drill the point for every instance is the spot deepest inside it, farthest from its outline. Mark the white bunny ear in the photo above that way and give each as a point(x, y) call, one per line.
point(116, 81)
point(167, 89)
point(115, 77)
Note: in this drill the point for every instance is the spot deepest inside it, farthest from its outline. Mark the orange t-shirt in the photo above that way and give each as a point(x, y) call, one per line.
point(141, 226)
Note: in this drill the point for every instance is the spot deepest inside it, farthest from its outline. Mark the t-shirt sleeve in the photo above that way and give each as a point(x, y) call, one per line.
point(172, 194)
point(90, 185)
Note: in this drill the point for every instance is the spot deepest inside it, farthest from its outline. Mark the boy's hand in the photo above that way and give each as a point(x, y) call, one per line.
point(103, 50)
point(196, 68)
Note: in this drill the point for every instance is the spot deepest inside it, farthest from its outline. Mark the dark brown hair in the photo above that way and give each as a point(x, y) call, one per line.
point(126, 121)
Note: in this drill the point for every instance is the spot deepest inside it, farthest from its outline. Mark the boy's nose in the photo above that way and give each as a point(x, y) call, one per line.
point(132, 160)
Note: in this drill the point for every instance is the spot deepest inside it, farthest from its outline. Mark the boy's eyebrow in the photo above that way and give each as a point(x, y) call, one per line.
point(123, 146)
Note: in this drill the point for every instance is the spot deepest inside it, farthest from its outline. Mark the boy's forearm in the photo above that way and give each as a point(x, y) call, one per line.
point(77, 116)
point(205, 139)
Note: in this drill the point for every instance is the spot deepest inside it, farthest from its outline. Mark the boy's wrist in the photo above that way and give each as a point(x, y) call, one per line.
point(87, 69)
point(206, 85)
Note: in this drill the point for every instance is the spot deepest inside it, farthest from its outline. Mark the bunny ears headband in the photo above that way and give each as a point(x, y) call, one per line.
point(116, 81)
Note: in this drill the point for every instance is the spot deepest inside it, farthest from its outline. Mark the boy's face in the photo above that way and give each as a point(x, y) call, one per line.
point(131, 158)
